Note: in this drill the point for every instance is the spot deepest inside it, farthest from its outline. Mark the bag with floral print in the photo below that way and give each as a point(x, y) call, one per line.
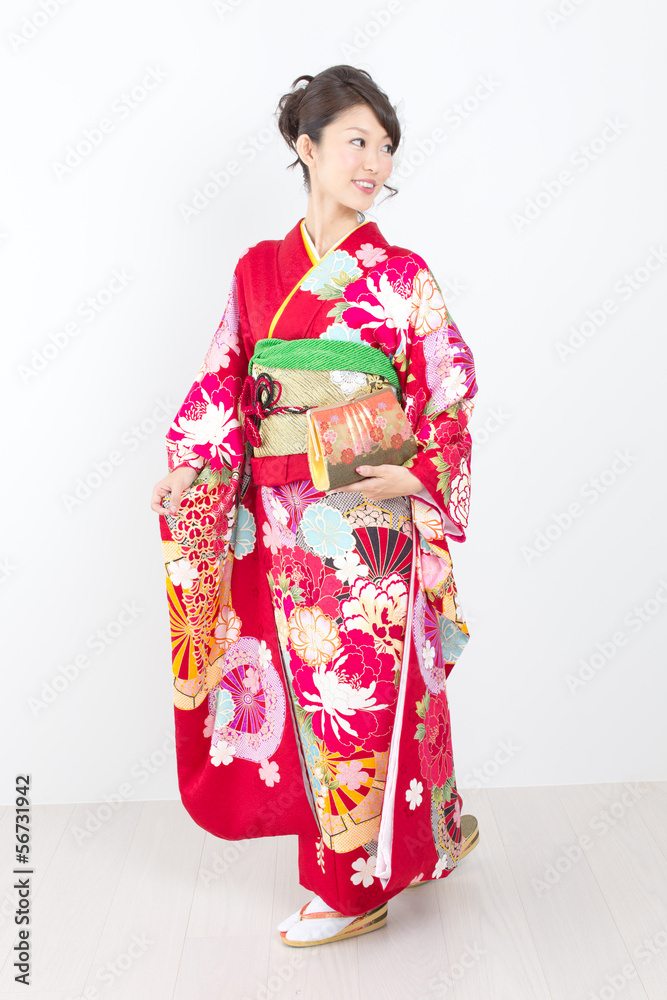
point(371, 430)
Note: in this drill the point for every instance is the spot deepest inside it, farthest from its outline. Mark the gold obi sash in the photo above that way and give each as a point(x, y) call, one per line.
point(275, 397)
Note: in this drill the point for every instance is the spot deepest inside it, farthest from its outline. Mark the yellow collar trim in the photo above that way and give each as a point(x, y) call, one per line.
point(310, 271)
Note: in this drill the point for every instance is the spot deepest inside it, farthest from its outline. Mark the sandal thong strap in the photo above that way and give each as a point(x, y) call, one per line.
point(319, 914)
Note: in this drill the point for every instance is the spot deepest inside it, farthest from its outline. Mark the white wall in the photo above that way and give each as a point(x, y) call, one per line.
point(536, 90)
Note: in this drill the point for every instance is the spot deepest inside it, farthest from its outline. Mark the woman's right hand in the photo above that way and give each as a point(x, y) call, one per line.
point(175, 483)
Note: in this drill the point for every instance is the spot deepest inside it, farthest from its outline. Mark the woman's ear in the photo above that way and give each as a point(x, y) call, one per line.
point(304, 148)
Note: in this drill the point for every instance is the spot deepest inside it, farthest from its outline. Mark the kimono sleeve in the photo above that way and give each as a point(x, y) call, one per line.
point(440, 384)
point(206, 428)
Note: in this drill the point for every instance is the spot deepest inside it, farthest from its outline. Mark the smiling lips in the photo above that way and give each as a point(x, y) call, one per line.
point(367, 186)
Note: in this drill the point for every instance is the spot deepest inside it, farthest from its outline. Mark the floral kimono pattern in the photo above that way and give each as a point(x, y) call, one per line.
point(312, 633)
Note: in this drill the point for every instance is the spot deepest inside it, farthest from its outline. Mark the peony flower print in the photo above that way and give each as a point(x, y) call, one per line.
point(331, 275)
point(313, 635)
point(244, 534)
point(224, 708)
point(379, 607)
point(381, 304)
point(326, 531)
point(435, 749)
point(317, 583)
point(335, 701)
point(452, 638)
point(227, 627)
point(459, 497)
point(341, 331)
point(429, 312)
point(209, 426)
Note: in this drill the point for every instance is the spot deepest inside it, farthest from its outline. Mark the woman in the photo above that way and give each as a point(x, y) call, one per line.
point(313, 631)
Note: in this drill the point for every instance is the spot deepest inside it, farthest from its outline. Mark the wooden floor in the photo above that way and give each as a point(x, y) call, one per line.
point(565, 897)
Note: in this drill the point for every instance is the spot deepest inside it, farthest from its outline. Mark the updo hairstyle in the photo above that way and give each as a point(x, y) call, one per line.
point(310, 108)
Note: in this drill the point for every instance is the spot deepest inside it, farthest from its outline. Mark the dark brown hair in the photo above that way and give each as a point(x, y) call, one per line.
point(309, 109)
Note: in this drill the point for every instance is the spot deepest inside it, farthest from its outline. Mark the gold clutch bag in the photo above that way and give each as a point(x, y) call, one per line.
point(371, 430)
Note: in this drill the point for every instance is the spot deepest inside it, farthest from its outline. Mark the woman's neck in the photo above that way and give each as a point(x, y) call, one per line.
point(326, 225)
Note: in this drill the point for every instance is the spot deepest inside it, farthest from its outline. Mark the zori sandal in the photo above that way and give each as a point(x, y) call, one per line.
point(469, 840)
point(469, 834)
point(324, 926)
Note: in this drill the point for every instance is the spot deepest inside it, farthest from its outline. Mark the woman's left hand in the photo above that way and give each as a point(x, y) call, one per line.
point(382, 482)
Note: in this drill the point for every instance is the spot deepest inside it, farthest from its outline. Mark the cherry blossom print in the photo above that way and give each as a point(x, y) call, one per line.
point(182, 573)
point(313, 635)
point(348, 381)
point(264, 655)
point(271, 537)
point(269, 773)
point(208, 724)
point(444, 864)
point(413, 794)
point(252, 680)
point(222, 753)
point(450, 369)
point(349, 567)
point(279, 512)
point(381, 304)
point(379, 607)
point(364, 871)
point(351, 774)
point(425, 626)
point(226, 338)
point(370, 255)
point(429, 312)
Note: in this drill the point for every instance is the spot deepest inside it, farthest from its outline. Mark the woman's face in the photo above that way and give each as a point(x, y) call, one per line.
point(352, 161)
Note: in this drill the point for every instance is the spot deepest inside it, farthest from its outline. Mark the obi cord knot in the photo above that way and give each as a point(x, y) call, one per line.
point(259, 397)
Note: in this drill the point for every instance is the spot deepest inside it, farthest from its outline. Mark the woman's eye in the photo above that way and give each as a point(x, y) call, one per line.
point(388, 146)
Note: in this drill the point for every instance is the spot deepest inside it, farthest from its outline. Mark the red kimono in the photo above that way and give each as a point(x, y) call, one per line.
point(313, 634)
